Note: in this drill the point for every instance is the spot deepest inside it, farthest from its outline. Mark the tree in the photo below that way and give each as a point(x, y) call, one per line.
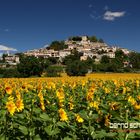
point(105, 59)
point(105, 67)
point(119, 54)
point(53, 60)
point(11, 72)
point(112, 67)
point(54, 71)
point(3, 56)
point(134, 59)
point(77, 68)
point(72, 57)
point(89, 62)
point(93, 39)
point(45, 63)
point(75, 38)
point(57, 45)
point(29, 66)
point(120, 57)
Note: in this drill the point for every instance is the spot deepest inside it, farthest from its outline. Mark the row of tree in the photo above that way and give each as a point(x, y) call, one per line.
point(57, 45)
point(91, 38)
point(31, 66)
point(121, 63)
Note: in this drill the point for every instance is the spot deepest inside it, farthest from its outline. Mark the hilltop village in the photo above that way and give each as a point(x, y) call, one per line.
point(75, 56)
point(88, 48)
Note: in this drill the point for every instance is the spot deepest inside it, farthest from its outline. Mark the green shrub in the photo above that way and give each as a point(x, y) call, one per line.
point(54, 71)
point(77, 68)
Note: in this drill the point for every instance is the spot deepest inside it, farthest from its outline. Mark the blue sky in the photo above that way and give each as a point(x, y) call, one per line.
point(30, 24)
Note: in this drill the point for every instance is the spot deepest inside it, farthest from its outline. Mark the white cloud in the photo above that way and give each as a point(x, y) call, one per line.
point(5, 48)
point(111, 16)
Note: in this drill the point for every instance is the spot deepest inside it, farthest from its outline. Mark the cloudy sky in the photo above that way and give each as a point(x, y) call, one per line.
point(29, 24)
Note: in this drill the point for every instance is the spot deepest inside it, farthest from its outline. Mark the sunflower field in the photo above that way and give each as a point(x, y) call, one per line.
point(102, 106)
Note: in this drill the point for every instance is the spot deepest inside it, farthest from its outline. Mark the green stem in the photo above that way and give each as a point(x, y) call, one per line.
point(30, 122)
point(6, 123)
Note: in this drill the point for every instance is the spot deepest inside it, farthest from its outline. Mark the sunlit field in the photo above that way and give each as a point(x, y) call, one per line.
point(98, 106)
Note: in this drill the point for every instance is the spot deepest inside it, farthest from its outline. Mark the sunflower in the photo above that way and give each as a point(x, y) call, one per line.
point(79, 119)
point(10, 105)
point(63, 115)
point(8, 90)
point(19, 105)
